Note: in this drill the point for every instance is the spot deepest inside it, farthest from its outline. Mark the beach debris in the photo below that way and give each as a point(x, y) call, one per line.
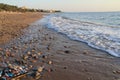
point(12, 71)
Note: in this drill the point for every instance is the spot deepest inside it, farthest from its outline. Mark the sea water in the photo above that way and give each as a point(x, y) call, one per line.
point(99, 30)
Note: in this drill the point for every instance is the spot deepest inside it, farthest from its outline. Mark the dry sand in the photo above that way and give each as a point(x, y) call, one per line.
point(71, 60)
point(12, 23)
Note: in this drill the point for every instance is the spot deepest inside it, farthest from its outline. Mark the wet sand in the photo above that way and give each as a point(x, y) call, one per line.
point(70, 60)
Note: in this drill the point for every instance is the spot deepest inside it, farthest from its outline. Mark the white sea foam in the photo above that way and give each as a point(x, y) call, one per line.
point(99, 36)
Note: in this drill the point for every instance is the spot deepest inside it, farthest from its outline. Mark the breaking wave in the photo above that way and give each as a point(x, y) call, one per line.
point(98, 36)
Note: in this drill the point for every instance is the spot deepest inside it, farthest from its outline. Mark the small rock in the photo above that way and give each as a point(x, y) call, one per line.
point(39, 53)
point(116, 72)
point(45, 57)
point(50, 62)
point(33, 61)
point(7, 54)
point(30, 66)
point(67, 51)
point(28, 53)
point(15, 48)
point(37, 74)
point(65, 67)
point(85, 52)
point(33, 50)
point(50, 70)
point(34, 56)
point(25, 57)
point(12, 55)
point(1, 49)
point(40, 69)
point(65, 46)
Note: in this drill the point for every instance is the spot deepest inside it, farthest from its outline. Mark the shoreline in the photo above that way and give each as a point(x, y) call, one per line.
point(70, 60)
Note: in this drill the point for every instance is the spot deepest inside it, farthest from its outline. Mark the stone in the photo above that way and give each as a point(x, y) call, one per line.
point(39, 53)
point(85, 52)
point(28, 53)
point(116, 72)
point(45, 57)
point(25, 57)
point(50, 62)
point(67, 51)
point(65, 67)
point(7, 54)
point(12, 55)
point(14, 47)
point(40, 69)
point(1, 49)
point(50, 70)
point(33, 61)
point(37, 73)
point(33, 50)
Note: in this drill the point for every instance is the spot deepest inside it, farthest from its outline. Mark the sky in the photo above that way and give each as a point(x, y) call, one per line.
point(69, 5)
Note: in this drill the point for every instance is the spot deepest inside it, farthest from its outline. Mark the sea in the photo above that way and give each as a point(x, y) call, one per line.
point(100, 30)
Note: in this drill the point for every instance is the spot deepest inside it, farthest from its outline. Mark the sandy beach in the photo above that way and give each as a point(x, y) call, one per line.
point(62, 58)
point(12, 23)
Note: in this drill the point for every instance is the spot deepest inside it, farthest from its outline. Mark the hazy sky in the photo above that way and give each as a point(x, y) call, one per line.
point(69, 5)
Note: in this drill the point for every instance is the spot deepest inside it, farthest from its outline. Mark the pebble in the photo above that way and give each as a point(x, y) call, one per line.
point(1, 49)
point(65, 67)
point(50, 62)
point(45, 57)
point(37, 73)
point(34, 56)
point(39, 53)
point(67, 51)
point(116, 72)
point(28, 53)
point(7, 54)
point(15, 48)
point(25, 57)
point(40, 69)
point(50, 70)
point(12, 55)
point(85, 52)
point(33, 61)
